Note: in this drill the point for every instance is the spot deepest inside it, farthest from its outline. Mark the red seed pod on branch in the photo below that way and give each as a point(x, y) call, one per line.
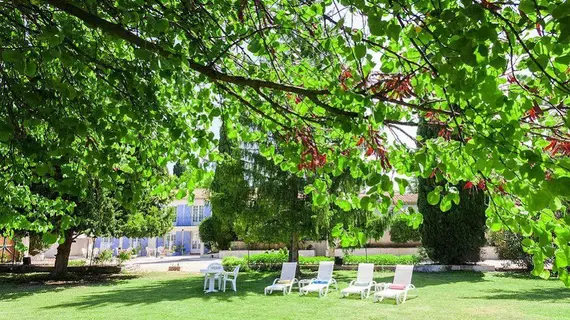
point(482, 185)
point(535, 112)
point(558, 147)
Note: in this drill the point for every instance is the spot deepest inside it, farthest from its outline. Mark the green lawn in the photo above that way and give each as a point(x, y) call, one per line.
point(456, 295)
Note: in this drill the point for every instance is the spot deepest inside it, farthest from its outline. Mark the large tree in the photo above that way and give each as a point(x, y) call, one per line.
point(318, 73)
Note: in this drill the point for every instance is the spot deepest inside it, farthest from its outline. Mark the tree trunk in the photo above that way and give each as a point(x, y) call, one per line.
point(294, 250)
point(62, 256)
point(332, 250)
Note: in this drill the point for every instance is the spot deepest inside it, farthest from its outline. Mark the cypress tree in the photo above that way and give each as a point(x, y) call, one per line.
point(455, 236)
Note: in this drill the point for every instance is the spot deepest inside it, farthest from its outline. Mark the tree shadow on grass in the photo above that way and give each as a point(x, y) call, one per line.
point(177, 289)
point(15, 286)
point(557, 295)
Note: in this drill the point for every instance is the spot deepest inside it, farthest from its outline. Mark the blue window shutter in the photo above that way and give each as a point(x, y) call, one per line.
point(188, 215)
point(97, 243)
point(179, 214)
point(126, 243)
point(207, 210)
point(160, 242)
point(187, 242)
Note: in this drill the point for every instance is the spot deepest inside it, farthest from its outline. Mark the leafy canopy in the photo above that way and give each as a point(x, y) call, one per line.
point(331, 78)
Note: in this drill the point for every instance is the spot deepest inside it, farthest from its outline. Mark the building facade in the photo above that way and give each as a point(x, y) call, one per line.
point(183, 238)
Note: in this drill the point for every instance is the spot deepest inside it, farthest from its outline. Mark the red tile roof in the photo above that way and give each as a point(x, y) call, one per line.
point(410, 198)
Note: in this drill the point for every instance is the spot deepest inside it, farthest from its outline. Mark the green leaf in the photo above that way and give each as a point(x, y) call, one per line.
point(320, 199)
point(12, 56)
point(337, 230)
point(49, 238)
point(180, 194)
point(527, 6)
point(161, 25)
point(343, 204)
point(561, 10)
point(376, 25)
point(433, 197)
point(562, 258)
point(31, 68)
point(545, 274)
point(320, 186)
point(445, 204)
point(394, 30)
point(402, 184)
point(360, 51)
point(361, 237)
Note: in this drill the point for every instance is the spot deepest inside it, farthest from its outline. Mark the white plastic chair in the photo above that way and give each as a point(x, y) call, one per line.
point(160, 251)
point(233, 279)
point(399, 288)
point(363, 283)
point(214, 267)
point(286, 281)
point(322, 282)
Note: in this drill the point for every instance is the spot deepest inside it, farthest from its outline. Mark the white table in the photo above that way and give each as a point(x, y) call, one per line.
point(211, 274)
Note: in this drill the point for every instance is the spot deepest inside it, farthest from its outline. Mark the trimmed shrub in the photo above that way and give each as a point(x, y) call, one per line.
point(268, 260)
point(382, 259)
point(269, 257)
point(313, 260)
point(232, 262)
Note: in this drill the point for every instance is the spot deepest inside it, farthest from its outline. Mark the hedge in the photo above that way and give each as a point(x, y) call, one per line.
point(382, 259)
point(272, 260)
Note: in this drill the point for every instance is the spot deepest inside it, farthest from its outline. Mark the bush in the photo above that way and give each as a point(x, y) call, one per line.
point(216, 233)
point(400, 232)
point(382, 259)
point(273, 260)
point(104, 256)
point(124, 255)
point(509, 247)
point(268, 260)
point(269, 257)
point(232, 262)
point(76, 263)
point(313, 260)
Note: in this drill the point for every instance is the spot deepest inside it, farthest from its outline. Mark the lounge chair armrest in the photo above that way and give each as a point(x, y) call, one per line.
point(351, 283)
point(275, 281)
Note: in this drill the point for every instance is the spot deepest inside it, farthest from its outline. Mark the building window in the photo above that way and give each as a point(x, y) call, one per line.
point(136, 243)
point(196, 244)
point(106, 243)
point(197, 214)
point(170, 241)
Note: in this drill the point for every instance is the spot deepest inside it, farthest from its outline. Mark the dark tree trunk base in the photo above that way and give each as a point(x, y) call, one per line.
point(62, 256)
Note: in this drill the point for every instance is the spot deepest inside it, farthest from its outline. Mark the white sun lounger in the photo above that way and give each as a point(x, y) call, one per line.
point(322, 282)
point(364, 282)
point(286, 281)
point(399, 288)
